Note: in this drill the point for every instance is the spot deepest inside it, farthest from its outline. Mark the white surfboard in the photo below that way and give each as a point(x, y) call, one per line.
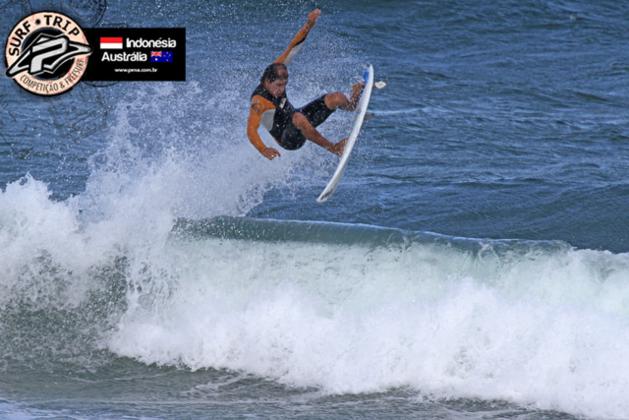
point(361, 110)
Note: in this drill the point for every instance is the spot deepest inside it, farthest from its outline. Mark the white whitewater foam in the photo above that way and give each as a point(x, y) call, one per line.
point(549, 330)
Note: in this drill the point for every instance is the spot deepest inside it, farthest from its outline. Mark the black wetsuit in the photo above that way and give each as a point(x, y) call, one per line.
point(285, 133)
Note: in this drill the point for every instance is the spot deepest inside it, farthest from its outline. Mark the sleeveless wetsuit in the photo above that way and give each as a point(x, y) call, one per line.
point(277, 117)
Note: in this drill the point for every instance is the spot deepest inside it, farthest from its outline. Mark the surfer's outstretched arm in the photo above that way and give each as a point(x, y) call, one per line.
point(253, 122)
point(298, 40)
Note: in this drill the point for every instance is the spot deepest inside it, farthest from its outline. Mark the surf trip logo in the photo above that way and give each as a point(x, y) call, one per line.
point(47, 53)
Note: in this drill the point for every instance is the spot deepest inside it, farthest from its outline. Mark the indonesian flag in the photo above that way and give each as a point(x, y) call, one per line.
point(110, 43)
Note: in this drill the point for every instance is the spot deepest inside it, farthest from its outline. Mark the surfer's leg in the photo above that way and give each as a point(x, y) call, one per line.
point(337, 100)
point(300, 121)
point(316, 111)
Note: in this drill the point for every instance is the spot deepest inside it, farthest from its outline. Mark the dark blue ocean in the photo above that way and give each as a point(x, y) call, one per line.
point(473, 262)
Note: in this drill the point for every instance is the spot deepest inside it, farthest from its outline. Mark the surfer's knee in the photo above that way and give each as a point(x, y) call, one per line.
point(337, 100)
point(300, 121)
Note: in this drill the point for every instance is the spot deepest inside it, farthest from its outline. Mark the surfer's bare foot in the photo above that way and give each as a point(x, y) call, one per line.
point(338, 148)
point(357, 89)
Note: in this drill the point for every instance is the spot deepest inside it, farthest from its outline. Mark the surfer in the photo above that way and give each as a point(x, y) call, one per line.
point(290, 126)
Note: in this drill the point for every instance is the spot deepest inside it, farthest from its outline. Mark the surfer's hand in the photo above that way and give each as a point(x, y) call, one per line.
point(313, 16)
point(338, 148)
point(270, 153)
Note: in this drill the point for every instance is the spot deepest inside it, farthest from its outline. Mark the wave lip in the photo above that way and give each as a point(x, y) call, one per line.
point(274, 230)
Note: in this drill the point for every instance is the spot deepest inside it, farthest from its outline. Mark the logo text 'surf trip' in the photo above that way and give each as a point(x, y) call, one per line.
point(47, 53)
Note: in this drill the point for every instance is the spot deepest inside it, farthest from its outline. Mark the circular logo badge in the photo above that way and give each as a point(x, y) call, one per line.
point(46, 53)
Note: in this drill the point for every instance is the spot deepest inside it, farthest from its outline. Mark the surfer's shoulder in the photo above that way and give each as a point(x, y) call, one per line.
point(260, 104)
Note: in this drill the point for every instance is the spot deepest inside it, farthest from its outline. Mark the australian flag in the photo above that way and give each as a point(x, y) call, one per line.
point(161, 57)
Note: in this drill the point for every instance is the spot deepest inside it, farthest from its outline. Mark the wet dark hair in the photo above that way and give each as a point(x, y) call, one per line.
point(272, 72)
